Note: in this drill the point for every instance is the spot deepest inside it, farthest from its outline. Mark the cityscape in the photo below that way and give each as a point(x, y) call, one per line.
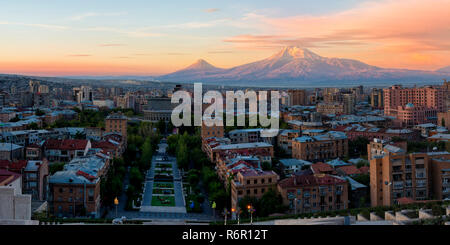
point(360, 140)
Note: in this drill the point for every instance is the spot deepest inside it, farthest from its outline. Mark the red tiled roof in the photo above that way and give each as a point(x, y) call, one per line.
point(86, 175)
point(321, 167)
point(103, 145)
point(310, 180)
point(67, 144)
point(364, 169)
point(6, 177)
point(350, 170)
point(13, 166)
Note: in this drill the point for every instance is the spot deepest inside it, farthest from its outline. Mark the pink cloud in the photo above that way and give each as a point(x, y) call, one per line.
point(398, 27)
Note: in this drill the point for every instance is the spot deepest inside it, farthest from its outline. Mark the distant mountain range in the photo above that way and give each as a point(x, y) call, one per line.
point(296, 66)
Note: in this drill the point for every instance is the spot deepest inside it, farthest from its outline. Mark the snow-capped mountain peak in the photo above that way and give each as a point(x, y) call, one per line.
point(295, 52)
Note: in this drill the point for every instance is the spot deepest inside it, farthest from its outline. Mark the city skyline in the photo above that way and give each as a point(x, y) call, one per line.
point(141, 38)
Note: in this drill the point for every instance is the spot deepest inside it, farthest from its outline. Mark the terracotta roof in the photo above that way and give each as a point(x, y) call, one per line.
point(364, 169)
point(310, 180)
point(321, 167)
point(6, 177)
point(16, 166)
point(66, 144)
point(103, 145)
point(350, 170)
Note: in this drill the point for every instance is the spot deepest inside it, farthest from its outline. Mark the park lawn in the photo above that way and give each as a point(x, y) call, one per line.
point(162, 185)
point(163, 172)
point(163, 165)
point(159, 201)
point(163, 191)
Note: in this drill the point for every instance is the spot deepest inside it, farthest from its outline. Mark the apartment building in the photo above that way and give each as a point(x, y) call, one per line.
point(335, 108)
point(440, 175)
point(414, 105)
point(395, 174)
point(285, 137)
point(297, 97)
point(307, 193)
point(253, 183)
point(35, 179)
point(65, 150)
point(75, 191)
point(211, 131)
point(325, 146)
point(116, 123)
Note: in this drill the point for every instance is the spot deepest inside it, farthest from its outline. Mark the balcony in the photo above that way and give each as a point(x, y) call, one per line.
point(306, 195)
point(408, 183)
point(338, 192)
point(398, 184)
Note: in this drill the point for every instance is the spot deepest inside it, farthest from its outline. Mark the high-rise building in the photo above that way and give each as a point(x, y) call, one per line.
point(413, 105)
point(376, 98)
point(83, 94)
point(297, 97)
point(349, 101)
point(43, 89)
point(34, 86)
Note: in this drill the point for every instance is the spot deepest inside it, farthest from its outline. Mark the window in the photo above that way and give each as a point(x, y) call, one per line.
point(255, 191)
point(255, 181)
point(61, 190)
point(248, 192)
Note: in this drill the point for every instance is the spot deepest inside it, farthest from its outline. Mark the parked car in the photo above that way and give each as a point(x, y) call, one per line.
point(119, 221)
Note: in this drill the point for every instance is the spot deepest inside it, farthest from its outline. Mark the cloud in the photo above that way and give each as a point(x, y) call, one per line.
point(416, 23)
point(130, 33)
point(44, 26)
point(95, 14)
point(212, 10)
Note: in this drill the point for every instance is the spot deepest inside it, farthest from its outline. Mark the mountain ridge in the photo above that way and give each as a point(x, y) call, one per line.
point(294, 64)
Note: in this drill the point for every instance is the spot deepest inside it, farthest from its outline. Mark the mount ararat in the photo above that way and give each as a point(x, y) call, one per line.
point(296, 66)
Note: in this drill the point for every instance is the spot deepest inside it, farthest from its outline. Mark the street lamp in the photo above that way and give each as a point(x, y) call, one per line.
point(238, 212)
point(116, 202)
point(225, 213)
point(295, 206)
point(250, 210)
point(213, 206)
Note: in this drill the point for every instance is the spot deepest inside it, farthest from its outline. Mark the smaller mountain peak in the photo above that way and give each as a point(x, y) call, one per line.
point(200, 64)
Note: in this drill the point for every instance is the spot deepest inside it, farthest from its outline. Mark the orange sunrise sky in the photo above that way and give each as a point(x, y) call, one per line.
point(61, 38)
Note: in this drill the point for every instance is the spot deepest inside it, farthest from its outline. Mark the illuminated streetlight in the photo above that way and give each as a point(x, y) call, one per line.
point(116, 202)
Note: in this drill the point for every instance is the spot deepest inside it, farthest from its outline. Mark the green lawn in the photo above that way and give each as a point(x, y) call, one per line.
point(163, 191)
point(162, 185)
point(164, 165)
point(163, 201)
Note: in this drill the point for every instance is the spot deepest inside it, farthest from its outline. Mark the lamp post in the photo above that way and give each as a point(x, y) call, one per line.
point(237, 211)
point(295, 206)
point(225, 213)
point(213, 206)
point(250, 210)
point(116, 202)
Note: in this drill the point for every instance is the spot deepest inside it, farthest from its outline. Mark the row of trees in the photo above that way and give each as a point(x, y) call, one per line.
point(111, 185)
point(142, 142)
